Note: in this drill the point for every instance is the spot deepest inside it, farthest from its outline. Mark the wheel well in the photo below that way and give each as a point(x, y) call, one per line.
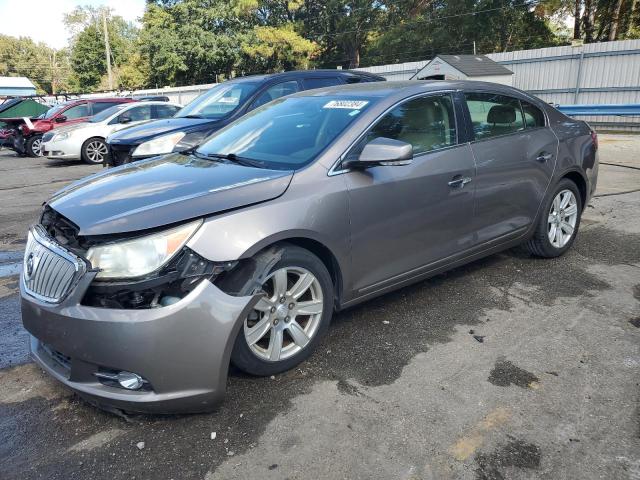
point(576, 178)
point(91, 138)
point(325, 255)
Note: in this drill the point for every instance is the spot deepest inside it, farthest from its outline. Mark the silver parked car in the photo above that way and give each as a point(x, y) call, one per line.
point(142, 283)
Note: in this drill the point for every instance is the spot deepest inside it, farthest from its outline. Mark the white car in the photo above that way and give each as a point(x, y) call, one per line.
point(86, 141)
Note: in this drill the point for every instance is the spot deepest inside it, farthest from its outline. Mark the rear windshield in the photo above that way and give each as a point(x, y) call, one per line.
point(220, 101)
point(287, 133)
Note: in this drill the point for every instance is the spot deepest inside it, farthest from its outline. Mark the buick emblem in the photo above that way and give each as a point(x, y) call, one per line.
point(29, 266)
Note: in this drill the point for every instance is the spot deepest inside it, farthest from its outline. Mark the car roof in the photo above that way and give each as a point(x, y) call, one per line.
point(407, 88)
point(306, 74)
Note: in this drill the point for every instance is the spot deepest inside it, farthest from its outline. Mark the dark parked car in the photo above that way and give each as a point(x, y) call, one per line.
point(141, 283)
point(218, 107)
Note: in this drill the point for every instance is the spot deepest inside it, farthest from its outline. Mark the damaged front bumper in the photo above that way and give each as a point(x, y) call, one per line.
point(181, 350)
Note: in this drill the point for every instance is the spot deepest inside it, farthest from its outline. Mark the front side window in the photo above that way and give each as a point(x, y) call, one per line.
point(276, 91)
point(220, 101)
point(289, 133)
point(533, 116)
point(493, 115)
point(103, 115)
point(78, 111)
point(427, 123)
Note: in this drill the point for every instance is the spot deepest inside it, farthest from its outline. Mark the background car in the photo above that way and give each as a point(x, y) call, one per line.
point(86, 140)
point(218, 107)
point(141, 284)
point(27, 138)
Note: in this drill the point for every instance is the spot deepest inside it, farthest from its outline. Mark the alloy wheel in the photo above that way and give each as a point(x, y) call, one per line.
point(562, 218)
point(96, 151)
point(36, 147)
point(287, 317)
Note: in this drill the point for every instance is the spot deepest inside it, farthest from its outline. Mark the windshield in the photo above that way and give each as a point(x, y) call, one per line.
point(220, 101)
point(103, 115)
point(286, 133)
point(53, 110)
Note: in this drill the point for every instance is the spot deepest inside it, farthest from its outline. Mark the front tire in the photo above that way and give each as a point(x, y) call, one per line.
point(33, 146)
point(558, 223)
point(289, 321)
point(94, 151)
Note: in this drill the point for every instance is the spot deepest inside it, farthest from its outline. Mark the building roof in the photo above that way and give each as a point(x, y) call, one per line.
point(474, 65)
point(16, 82)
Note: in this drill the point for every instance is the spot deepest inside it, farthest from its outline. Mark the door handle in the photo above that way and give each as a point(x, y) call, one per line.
point(459, 181)
point(543, 157)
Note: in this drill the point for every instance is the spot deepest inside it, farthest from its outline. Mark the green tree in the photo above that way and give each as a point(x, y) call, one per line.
point(88, 57)
point(47, 68)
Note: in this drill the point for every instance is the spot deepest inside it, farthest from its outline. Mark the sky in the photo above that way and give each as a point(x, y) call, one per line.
point(42, 19)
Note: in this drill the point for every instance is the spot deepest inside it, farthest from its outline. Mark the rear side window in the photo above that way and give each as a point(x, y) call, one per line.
point(77, 112)
point(310, 83)
point(494, 115)
point(533, 116)
point(164, 111)
point(427, 123)
point(101, 106)
point(138, 114)
point(276, 91)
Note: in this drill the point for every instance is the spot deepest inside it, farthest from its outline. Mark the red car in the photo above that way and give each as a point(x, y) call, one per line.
point(27, 133)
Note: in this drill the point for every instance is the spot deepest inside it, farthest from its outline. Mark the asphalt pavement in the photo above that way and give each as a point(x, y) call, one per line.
point(511, 367)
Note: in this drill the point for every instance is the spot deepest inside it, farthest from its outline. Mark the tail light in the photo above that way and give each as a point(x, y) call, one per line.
point(594, 137)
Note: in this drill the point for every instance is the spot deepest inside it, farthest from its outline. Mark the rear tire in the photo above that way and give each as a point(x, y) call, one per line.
point(558, 223)
point(33, 146)
point(94, 151)
point(294, 317)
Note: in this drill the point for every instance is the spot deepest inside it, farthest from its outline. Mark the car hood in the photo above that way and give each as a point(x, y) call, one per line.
point(141, 133)
point(164, 190)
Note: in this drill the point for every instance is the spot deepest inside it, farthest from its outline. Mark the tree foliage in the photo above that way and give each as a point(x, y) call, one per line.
point(183, 42)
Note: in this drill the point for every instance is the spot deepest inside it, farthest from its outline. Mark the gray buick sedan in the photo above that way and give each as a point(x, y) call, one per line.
point(141, 284)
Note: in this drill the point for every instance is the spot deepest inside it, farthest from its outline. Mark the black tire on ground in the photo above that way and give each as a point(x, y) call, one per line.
point(242, 356)
point(31, 144)
point(84, 154)
point(539, 244)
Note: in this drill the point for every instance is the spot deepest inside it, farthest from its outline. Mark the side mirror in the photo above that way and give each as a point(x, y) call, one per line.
point(124, 119)
point(61, 119)
point(383, 151)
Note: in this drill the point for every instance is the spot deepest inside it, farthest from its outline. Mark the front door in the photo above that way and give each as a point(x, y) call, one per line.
point(404, 218)
point(515, 161)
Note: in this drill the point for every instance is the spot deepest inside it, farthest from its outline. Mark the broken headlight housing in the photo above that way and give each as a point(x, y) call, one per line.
point(141, 256)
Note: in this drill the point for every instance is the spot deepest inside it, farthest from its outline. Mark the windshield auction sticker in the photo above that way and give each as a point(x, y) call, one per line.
point(348, 104)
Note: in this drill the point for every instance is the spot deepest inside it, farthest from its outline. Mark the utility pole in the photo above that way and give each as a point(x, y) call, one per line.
point(107, 49)
point(53, 73)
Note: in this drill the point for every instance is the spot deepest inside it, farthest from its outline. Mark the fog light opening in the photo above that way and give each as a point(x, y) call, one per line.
point(123, 379)
point(130, 380)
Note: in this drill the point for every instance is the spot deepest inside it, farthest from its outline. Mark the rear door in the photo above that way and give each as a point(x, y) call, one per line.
point(404, 218)
point(514, 164)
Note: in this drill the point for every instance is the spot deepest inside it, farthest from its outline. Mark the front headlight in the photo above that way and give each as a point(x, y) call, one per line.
point(159, 145)
point(61, 136)
point(135, 258)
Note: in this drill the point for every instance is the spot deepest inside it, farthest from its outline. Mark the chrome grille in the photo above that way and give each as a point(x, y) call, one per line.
point(49, 271)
